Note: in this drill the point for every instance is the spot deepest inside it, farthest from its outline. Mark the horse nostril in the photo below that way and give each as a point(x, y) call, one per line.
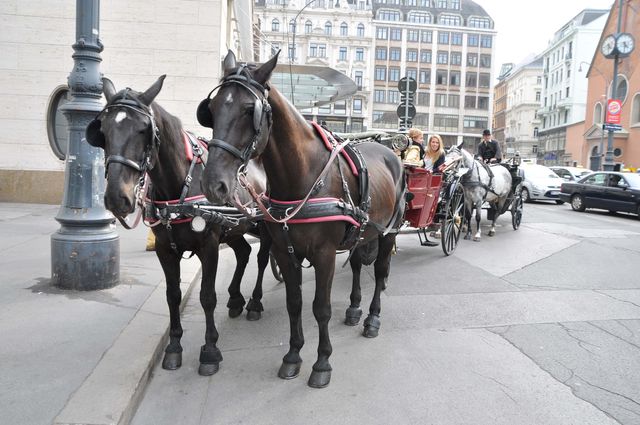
point(221, 190)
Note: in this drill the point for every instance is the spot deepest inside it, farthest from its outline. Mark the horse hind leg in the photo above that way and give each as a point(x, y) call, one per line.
point(242, 251)
point(354, 312)
point(478, 234)
point(254, 306)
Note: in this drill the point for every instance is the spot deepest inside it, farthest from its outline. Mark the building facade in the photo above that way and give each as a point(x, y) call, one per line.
point(593, 143)
point(447, 46)
point(185, 40)
point(324, 33)
point(564, 90)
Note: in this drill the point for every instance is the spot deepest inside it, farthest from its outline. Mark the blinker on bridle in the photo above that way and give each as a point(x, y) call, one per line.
point(261, 108)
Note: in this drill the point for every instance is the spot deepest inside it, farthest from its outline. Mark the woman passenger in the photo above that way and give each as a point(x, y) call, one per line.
point(434, 154)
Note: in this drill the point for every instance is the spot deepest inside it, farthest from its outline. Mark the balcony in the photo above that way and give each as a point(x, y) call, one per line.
point(543, 111)
point(565, 103)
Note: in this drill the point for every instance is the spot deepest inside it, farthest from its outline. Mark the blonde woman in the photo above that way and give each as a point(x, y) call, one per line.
point(415, 152)
point(434, 154)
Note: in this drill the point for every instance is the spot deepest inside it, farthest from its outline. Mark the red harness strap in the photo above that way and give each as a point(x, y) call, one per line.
point(323, 135)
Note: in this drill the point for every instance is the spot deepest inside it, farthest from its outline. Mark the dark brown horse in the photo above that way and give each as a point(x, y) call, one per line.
point(251, 120)
point(139, 137)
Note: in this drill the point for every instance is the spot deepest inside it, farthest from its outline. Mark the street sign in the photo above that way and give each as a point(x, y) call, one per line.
point(611, 127)
point(407, 84)
point(614, 107)
point(406, 111)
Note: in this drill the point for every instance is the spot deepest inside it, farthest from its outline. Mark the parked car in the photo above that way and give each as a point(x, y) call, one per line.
point(572, 174)
point(607, 190)
point(540, 184)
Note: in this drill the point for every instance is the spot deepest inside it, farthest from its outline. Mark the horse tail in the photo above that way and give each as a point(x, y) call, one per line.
point(401, 194)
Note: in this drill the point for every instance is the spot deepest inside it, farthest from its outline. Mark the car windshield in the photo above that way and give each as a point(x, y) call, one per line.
point(539, 172)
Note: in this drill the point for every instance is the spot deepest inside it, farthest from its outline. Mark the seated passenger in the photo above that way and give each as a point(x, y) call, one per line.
point(414, 154)
point(434, 155)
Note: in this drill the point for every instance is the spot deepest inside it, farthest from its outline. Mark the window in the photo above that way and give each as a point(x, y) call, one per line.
point(453, 101)
point(379, 96)
point(412, 55)
point(292, 26)
point(394, 74)
point(328, 28)
point(382, 33)
point(472, 40)
point(344, 29)
point(441, 99)
point(597, 113)
point(596, 179)
point(322, 50)
point(394, 54)
point(342, 55)
point(275, 25)
point(470, 102)
point(426, 36)
point(423, 98)
point(455, 58)
point(443, 57)
point(388, 15)
point(485, 61)
point(635, 110)
point(567, 92)
point(393, 96)
point(472, 59)
point(357, 77)
point(419, 17)
point(425, 76)
point(413, 35)
point(359, 54)
point(537, 96)
point(357, 106)
point(445, 122)
point(308, 27)
point(472, 79)
point(340, 107)
point(483, 102)
point(441, 76)
point(313, 50)
point(380, 73)
point(485, 41)
point(412, 73)
point(456, 38)
point(395, 34)
point(454, 4)
point(442, 4)
point(476, 22)
point(451, 20)
point(443, 37)
point(484, 80)
point(425, 56)
point(454, 79)
point(360, 30)
point(475, 123)
point(621, 88)
point(381, 53)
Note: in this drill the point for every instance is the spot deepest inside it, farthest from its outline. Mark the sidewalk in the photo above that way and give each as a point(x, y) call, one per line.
point(71, 357)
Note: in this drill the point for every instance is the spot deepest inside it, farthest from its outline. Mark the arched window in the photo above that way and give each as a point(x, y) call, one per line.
point(275, 25)
point(635, 110)
point(292, 26)
point(360, 30)
point(419, 17)
point(597, 113)
point(327, 28)
point(621, 88)
point(344, 29)
point(307, 27)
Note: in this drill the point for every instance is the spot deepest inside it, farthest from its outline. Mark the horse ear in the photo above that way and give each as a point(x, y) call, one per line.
point(151, 93)
point(108, 89)
point(229, 62)
point(459, 145)
point(262, 74)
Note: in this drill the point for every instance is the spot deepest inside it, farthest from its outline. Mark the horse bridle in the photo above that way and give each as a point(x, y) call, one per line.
point(261, 109)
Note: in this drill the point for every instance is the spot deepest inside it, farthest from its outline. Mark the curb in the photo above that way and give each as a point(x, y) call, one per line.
point(110, 395)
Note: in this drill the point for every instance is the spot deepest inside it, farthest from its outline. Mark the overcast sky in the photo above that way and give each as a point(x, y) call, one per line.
point(525, 26)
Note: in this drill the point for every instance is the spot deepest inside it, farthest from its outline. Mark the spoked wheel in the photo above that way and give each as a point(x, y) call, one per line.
point(452, 222)
point(275, 269)
point(516, 209)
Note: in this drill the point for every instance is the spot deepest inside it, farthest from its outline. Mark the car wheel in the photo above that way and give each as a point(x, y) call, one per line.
point(577, 203)
point(525, 195)
point(559, 202)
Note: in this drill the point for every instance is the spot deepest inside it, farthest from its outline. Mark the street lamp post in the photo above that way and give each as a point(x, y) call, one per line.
point(85, 251)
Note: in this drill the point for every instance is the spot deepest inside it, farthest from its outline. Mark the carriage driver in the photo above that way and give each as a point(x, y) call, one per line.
point(489, 149)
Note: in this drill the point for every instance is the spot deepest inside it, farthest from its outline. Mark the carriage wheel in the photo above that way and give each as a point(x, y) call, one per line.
point(516, 209)
point(275, 269)
point(452, 222)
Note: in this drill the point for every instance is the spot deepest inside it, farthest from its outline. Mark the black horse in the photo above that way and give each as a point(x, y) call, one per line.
point(140, 137)
point(318, 204)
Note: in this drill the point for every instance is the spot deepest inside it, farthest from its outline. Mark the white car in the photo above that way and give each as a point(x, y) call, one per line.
point(540, 183)
point(570, 174)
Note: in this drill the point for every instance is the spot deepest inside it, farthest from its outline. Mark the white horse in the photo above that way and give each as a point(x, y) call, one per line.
point(482, 183)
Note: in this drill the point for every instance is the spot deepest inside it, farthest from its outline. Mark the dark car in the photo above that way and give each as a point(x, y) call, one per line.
point(605, 190)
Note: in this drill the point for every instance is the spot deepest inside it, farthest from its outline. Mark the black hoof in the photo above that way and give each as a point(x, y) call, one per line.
point(371, 326)
point(289, 370)
point(467, 237)
point(235, 312)
point(208, 369)
point(319, 379)
point(252, 316)
point(352, 316)
point(172, 361)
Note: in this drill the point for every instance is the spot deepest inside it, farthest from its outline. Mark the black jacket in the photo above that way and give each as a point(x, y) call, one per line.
point(488, 150)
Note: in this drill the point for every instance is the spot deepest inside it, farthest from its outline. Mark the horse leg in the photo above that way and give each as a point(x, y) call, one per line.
point(291, 362)
point(353, 313)
point(478, 208)
point(468, 213)
point(254, 306)
point(324, 266)
point(171, 266)
point(242, 251)
point(210, 355)
point(381, 272)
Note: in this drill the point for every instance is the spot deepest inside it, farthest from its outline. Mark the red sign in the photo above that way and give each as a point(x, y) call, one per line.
point(614, 107)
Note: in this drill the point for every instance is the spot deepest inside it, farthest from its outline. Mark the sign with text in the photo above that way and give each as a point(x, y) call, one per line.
point(614, 107)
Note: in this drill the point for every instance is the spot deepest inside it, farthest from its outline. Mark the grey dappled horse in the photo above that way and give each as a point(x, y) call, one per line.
point(482, 183)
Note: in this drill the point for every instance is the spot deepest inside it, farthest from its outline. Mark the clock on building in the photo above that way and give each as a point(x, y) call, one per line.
point(608, 45)
point(625, 43)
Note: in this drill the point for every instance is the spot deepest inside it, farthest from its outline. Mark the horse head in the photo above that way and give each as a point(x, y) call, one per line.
point(240, 116)
point(126, 129)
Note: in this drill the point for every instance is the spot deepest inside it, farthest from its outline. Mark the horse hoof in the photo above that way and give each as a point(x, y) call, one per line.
point(352, 316)
point(319, 378)
point(235, 312)
point(371, 326)
point(467, 237)
point(491, 233)
point(208, 369)
point(252, 315)
point(172, 361)
point(289, 370)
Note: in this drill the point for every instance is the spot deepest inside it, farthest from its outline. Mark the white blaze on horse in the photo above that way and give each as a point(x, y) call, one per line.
point(482, 183)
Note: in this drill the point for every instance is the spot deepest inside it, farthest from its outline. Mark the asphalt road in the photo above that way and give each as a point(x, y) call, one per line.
point(535, 326)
